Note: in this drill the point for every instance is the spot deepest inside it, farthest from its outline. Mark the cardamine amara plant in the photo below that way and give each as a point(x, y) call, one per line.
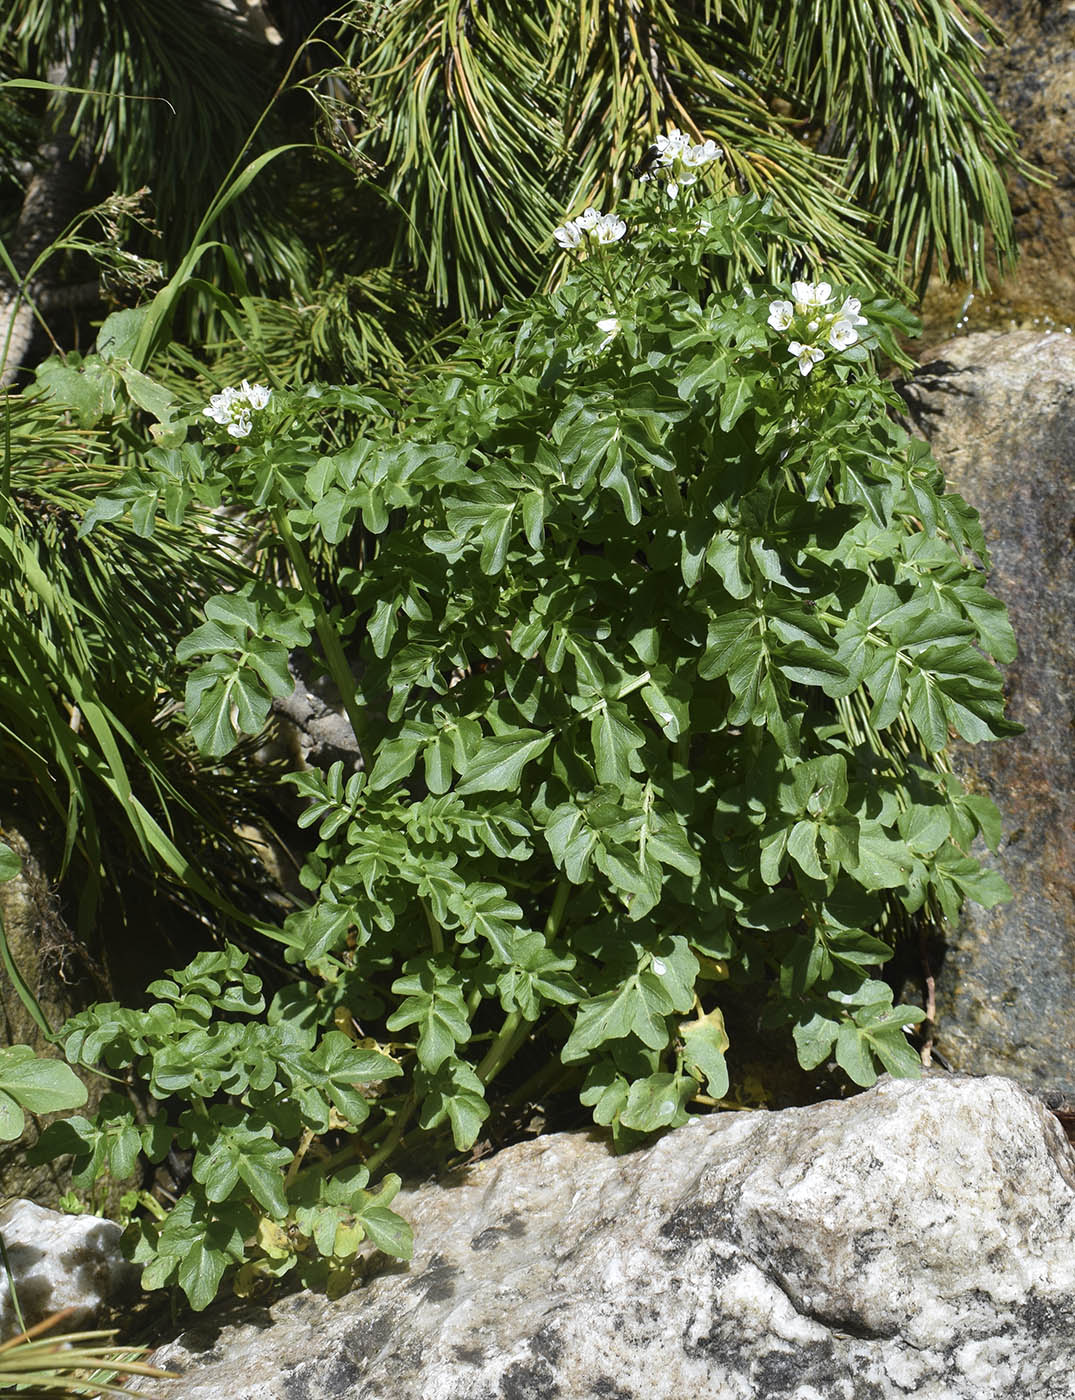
point(661, 624)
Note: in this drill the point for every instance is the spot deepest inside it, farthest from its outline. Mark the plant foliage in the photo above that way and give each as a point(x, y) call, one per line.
point(199, 1041)
point(663, 628)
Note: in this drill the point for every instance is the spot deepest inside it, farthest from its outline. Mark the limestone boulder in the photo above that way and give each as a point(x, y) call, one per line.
point(999, 412)
point(59, 1261)
point(915, 1239)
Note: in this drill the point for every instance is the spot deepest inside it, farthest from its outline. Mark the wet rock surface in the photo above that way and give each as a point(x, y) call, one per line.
point(999, 411)
point(918, 1238)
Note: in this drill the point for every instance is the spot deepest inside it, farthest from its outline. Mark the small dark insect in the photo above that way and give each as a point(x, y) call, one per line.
point(647, 164)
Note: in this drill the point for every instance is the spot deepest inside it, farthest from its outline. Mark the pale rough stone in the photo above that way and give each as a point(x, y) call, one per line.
point(919, 1238)
point(61, 1261)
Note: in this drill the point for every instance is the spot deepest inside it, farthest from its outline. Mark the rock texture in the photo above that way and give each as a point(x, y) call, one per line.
point(1032, 83)
point(63, 977)
point(999, 411)
point(60, 1261)
point(919, 1238)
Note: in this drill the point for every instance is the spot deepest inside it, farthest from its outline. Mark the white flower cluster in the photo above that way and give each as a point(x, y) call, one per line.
point(806, 314)
point(591, 227)
point(684, 160)
point(232, 408)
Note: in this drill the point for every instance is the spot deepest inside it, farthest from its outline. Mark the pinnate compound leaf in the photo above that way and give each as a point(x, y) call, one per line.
point(454, 1094)
point(435, 1004)
point(639, 1006)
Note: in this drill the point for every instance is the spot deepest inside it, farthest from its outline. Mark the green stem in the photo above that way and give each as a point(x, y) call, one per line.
point(5, 478)
point(436, 933)
point(510, 1036)
point(27, 997)
point(545, 1080)
point(516, 1027)
point(296, 1161)
point(391, 1142)
point(672, 496)
point(559, 905)
point(327, 635)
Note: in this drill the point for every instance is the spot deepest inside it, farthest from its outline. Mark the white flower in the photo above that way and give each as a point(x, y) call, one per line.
point(671, 146)
point(608, 229)
point(850, 312)
point(780, 314)
point(701, 155)
point(807, 355)
point(842, 334)
point(256, 395)
point(590, 227)
point(809, 297)
point(682, 159)
point(611, 327)
point(231, 408)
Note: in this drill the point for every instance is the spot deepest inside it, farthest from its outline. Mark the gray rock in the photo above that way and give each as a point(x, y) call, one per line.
point(916, 1238)
point(999, 411)
point(61, 1261)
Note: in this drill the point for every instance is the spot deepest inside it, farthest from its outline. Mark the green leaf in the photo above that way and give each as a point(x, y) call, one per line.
point(396, 757)
point(802, 847)
point(616, 739)
point(35, 1084)
point(639, 1006)
point(705, 1042)
point(200, 1270)
point(88, 390)
point(10, 864)
point(344, 1067)
point(119, 333)
point(883, 862)
point(735, 399)
point(148, 394)
point(498, 763)
point(656, 1102)
point(814, 1039)
point(455, 1094)
point(389, 1231)
point(435, 1004)
point(12, 1118)
point(496, 532)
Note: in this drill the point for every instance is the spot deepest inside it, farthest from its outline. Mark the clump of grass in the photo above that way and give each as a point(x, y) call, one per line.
point(69, 1364)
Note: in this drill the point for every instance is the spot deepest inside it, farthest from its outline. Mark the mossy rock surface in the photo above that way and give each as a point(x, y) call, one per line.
point(63, 975)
